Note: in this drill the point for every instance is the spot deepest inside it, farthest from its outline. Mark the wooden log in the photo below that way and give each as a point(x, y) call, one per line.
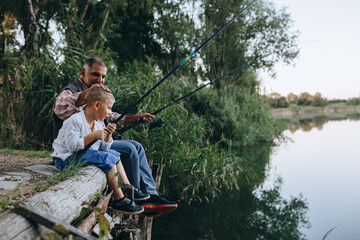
point(49, 221)
point(62, 200)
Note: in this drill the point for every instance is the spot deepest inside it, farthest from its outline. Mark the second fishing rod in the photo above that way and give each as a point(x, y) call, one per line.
point(124, 129)
point(127, 110)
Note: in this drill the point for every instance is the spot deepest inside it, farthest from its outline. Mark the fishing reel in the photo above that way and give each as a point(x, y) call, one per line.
point(158, 123)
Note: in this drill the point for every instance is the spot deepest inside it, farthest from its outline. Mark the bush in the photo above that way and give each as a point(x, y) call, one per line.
point(353, 101)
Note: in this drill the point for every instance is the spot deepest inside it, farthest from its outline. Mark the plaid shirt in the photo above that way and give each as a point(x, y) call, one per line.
point(64, 107)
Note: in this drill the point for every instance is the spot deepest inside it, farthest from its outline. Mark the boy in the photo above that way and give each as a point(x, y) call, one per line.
point(84, 127)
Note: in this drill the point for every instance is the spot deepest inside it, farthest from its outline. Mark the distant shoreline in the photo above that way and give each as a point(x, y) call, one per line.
point(329, 109)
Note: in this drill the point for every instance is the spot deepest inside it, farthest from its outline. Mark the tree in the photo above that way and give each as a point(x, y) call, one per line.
point(318, 101)
point(259, 30)
point(292, 98)
point(305, 98)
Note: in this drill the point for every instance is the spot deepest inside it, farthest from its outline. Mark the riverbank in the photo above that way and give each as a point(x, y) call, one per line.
point(310, 111)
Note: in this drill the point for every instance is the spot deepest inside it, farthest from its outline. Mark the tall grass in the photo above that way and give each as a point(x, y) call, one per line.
point(30, 86)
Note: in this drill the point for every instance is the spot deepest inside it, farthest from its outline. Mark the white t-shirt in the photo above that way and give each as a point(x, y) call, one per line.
point(71, 137)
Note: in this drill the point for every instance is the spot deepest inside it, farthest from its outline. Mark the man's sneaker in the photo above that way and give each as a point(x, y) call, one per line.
point(157, 204)
point(126, 206)
point(150, 214)
point(138, 195)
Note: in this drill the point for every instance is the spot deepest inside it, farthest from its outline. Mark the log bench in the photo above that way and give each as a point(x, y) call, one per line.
point(63, 201)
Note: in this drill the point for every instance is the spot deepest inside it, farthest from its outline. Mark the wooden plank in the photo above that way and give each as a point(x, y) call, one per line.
point(48, 221)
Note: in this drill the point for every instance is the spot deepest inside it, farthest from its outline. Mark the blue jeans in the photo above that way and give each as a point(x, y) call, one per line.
point(135, 164)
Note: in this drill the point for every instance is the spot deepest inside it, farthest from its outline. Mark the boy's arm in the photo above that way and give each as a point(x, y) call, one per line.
point(96, 135)
point(74, 140)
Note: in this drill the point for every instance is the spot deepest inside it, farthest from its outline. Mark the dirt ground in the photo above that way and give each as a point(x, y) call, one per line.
point(16, 163)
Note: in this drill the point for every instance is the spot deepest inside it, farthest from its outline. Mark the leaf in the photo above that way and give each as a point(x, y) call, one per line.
point(99, 196)
point(84, 212)
point(104, 226)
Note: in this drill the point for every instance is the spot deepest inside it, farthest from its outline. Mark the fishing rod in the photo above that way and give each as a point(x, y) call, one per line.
point(124, 129)
point(180, 64)
point(127, 110)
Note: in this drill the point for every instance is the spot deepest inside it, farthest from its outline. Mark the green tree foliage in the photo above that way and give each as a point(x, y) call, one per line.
point(318, 101)
point(140, 41)
point(275, 100)
point(261, 29)
point(130, 33)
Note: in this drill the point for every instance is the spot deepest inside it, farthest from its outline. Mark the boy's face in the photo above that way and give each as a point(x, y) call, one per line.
point(104, 109)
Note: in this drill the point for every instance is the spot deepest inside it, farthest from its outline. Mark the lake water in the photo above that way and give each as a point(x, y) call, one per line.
point(320, 163)
point(323, 165)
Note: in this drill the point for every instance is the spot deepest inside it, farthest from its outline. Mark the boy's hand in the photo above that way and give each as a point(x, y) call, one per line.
point(99, 134)
point(111, 127)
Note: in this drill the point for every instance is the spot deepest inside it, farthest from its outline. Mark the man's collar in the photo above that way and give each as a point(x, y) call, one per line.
point(82, 81)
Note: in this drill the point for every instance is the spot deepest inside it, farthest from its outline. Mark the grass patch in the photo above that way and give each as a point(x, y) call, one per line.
point(62, 175)
point(26, 153)
point(7, 200)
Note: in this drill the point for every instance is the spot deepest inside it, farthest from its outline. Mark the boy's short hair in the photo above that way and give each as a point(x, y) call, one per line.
point(97, 94)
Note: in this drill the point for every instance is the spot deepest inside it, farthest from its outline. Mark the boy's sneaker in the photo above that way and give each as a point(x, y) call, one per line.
point(139, 196)
point(157, 204)
point(126, 206)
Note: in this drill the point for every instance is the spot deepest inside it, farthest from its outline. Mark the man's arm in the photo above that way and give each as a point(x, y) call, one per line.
point(127, 119)
point(66, 104)
point(145, 117)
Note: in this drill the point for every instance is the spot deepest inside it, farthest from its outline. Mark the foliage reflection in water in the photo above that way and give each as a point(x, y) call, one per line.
point(250, 213)
point(253, 212)
point(245, 214)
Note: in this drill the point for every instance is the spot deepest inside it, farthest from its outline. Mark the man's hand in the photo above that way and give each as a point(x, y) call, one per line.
point(81, 99)
point(145, 117)
point(105, 88)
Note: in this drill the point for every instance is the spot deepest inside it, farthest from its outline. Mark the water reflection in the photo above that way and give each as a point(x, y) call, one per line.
point(323, 165)
point(246, 214)
point(316, 122)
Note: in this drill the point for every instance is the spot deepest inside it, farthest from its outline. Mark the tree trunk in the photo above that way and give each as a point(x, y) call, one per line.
point(62, 201)
point(30, 28)
point(97, 37)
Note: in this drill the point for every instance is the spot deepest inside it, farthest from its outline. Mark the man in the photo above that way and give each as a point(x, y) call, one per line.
point(133, 157)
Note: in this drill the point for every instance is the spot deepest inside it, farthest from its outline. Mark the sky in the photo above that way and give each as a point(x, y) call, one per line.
point(329, 62)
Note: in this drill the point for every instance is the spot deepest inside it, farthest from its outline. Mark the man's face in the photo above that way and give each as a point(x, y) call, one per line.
point(95, 74)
